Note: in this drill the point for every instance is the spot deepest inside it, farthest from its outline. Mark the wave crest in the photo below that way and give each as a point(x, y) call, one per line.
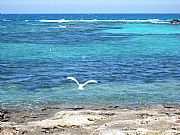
point(95, 20)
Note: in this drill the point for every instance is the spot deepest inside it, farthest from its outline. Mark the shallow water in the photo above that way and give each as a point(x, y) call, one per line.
point(134, 57)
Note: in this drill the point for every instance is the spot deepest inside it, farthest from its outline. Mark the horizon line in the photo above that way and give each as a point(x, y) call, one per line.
point(100, 13)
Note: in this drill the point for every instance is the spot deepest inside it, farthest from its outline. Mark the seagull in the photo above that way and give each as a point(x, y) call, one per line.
point(81, 86)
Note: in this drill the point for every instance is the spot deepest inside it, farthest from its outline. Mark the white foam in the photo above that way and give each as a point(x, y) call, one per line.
point(56, 21)
point(95, 20)
point(62, 26)
point(59, 26)
point(161, 22)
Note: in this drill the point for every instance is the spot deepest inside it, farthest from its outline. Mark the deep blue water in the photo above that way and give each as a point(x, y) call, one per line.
point(134, 57)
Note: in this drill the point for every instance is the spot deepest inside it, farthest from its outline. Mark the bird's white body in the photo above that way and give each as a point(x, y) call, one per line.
point(81, 86)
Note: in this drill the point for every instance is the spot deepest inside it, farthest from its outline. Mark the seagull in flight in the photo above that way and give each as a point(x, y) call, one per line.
point(81, 86)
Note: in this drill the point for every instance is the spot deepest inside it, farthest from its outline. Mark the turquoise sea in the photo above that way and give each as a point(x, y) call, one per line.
point(134, 57)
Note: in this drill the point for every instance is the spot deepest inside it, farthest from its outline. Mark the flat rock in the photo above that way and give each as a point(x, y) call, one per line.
point(139, 121)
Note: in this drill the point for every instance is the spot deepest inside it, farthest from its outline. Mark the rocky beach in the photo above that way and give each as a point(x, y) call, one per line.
point(132, 59)
point(111, 120)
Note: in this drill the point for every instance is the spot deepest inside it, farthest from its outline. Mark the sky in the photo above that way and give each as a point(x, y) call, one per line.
point(89, 6)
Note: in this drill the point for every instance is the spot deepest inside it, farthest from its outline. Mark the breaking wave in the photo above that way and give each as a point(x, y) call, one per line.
point(95, 20)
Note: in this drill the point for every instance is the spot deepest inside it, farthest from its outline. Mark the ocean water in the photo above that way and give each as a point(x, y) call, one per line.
point(134, 57)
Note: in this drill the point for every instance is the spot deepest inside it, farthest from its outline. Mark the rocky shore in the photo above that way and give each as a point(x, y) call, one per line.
point(111, 120)
point(175, 21)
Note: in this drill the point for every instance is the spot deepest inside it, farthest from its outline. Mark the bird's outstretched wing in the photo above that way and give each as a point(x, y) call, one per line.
point(90, 81)
point(74, 79)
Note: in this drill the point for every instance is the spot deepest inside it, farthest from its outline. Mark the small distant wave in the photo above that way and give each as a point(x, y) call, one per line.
point(63, 21)
point(95, 20)
point(59, 26)
point(5, 20)
point(62, 26)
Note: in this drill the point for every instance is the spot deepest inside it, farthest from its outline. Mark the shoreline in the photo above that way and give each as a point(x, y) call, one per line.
point(158, 119)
